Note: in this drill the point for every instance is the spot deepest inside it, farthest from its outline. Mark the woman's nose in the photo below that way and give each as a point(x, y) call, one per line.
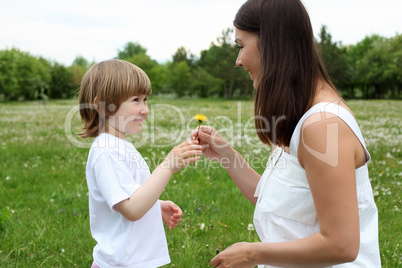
point(238, 61)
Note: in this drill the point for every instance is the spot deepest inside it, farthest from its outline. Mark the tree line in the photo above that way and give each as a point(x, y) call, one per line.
point(369, 69)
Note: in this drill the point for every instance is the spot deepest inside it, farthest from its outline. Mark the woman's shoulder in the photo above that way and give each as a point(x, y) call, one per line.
point(327, 106)
point(328, 130)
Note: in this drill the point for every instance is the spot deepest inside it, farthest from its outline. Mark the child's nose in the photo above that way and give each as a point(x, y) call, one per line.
point(144, 110)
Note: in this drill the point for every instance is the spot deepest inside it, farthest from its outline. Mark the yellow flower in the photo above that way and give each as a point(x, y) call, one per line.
point(200, 117)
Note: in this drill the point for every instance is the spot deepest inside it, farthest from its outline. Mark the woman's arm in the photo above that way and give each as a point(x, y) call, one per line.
point(216, 148)
point(328, 151)
point(244, 176)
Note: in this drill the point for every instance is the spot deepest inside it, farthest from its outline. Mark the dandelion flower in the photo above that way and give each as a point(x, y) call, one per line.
point(250, 227)
point(202, 226)
point(200, 117)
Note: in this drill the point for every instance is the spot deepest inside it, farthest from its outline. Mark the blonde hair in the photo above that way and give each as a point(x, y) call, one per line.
point(104, 87)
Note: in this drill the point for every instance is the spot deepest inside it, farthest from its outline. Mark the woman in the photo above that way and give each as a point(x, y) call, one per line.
point(315, 209)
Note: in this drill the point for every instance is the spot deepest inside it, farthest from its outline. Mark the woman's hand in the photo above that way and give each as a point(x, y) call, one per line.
point(236, 256)
point(215, 147)
point(171, 213)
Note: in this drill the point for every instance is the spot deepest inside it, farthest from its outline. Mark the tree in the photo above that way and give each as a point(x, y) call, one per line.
point(180, 79)
point(77, 70)
point(131, 49)
point(182, 68)
point(136, 54)
point(8, 67)
point(159, 74)
point(22, 76)
point(205, 84)
point(370, 61)
point(394, 72)
point(155, 72)
point(219, 61)
point(81, 61)
point(61, 84)
point(334, 57)
point(183, 54)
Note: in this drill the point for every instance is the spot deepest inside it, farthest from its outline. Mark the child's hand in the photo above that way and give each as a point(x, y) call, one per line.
point(182, 155)
point(215, 146)
point(171, 213)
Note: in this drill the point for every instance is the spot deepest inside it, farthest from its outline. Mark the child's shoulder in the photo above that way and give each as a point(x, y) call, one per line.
point(109, 144)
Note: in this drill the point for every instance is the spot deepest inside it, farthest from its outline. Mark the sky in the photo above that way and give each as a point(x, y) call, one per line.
point(96, 29)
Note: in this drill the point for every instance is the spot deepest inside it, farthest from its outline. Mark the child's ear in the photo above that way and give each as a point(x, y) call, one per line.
point(96, 104)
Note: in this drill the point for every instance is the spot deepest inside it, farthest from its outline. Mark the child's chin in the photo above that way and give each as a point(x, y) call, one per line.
point(136, 131)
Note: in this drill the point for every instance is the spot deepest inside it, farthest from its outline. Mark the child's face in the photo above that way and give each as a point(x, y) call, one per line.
point(129, 117)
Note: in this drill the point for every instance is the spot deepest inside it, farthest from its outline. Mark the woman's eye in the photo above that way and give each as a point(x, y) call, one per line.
point(239, 47)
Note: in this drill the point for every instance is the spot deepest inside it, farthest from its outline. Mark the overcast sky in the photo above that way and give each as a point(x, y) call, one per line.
point(61, 30)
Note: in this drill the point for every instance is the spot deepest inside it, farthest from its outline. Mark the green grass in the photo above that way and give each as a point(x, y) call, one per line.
point(44, 219)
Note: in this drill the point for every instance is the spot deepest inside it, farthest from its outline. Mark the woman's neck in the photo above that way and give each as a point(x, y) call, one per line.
point(326, 93)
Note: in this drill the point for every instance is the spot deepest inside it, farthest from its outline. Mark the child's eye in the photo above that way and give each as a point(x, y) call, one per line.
point(135, 99)
point(239, 47)
point(145, 99)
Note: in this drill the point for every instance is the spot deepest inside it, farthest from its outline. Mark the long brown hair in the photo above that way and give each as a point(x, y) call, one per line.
point(290, 65)
point(111, 83)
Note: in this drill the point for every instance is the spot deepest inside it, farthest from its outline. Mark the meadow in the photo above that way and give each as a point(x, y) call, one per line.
point(44, 219)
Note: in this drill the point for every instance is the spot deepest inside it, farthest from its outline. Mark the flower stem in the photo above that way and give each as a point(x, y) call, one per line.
point(198, 131)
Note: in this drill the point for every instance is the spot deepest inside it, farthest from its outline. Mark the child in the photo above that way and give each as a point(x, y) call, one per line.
point(125, 214)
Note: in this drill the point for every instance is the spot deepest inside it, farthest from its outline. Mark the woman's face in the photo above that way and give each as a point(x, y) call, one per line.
point(249, 53)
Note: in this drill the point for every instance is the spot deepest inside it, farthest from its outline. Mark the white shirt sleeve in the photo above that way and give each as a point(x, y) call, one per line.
point(114, 177)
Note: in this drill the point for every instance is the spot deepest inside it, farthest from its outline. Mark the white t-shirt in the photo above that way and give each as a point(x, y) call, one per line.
point(115, 170)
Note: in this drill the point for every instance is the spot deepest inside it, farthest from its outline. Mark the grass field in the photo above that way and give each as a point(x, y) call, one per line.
point(44, 219)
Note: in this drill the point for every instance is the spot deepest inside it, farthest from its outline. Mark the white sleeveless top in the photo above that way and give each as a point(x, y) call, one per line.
point(285, 208)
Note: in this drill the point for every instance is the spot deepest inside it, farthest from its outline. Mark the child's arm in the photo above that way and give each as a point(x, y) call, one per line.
point(135, 207)
point(171, 213)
